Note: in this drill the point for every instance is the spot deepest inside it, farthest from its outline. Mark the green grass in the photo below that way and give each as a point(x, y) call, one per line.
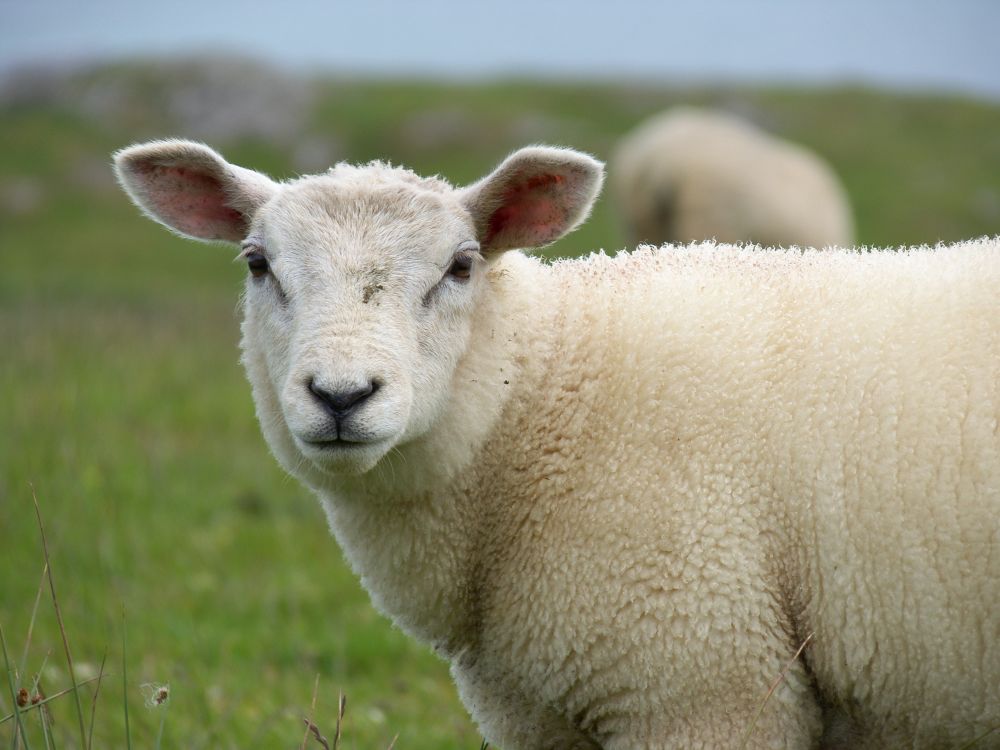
point(123, 404)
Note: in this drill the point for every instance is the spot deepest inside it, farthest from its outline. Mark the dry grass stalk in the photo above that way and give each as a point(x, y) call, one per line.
point(19, 730)
point(774, 686)
point(59, 620)
point(310, 727)
point(341, 706)
point(40, 701)
point(312, 713)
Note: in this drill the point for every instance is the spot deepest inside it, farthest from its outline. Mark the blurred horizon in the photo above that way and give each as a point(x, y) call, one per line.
point(920, 46)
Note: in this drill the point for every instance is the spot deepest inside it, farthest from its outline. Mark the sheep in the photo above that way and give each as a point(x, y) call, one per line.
point(625, 496)
point(689, 174)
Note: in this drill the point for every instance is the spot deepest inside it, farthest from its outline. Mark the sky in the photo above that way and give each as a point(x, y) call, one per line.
point(948, 45)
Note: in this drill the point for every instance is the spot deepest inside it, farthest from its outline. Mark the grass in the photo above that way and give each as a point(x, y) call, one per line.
point(123, 404)
point(33, 702)
point(62, 627)
point(748, 733)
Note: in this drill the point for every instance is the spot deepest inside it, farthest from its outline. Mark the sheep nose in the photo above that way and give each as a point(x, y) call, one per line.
point(342, 402)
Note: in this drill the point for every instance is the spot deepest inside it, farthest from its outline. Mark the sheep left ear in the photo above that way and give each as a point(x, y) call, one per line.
point(191, 189)
point(536, 196)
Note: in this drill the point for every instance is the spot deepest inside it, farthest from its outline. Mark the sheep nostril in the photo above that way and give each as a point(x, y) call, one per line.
point(343, 401)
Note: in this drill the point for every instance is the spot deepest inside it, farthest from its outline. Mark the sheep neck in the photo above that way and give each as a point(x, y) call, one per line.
point(412, 529)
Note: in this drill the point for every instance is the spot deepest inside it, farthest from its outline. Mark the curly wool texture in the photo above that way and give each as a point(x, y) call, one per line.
point(635, 486)
point(708, 454)
point(689, 174)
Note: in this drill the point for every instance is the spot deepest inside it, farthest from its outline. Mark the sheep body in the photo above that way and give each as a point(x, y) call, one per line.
point(651, 478)
point(720, 453)
point(689, 174)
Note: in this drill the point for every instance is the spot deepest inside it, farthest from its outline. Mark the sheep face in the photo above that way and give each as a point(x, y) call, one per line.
point(369, 289)
point(362, 283)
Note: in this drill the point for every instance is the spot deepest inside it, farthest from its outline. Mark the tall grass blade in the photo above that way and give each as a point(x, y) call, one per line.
point(341, 707)
point(312, 714)
point(46, 733)
point(62, 627)
point(19, 729)
point(163, 721)
point(93, 703)
point(44, 717)
point(976, 740)
point(317, 734)
point(128, 733)
point(31, 623)
point(774, 686)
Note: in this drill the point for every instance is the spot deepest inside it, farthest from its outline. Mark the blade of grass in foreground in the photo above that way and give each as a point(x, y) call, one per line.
point(128, 733)
point(44, 701)
point(31, 622)
point(13, 694)
point(46, 733)
point(62, 628)
point(341, 706)
point(93, 703)
point(983, 736)
point(312, 713)
point(163, 721)
point(774, 686)
point(36, 689)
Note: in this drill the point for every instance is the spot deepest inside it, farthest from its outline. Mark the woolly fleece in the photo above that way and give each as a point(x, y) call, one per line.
point(651, 478)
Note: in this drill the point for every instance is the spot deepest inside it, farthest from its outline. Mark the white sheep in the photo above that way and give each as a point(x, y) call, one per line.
point(690, 174)
point(619, 494)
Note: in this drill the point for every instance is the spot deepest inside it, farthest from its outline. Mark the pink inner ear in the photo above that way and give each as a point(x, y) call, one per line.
point(531, 213)
point(193, 202)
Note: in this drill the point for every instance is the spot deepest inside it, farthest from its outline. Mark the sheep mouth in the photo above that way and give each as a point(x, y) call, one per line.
point(337, 437)
point(336, 457)
point(336, 443)
point(324, 447)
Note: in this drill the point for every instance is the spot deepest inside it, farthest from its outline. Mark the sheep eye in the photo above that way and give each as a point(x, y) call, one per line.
point(461, 266)
point(257, 264)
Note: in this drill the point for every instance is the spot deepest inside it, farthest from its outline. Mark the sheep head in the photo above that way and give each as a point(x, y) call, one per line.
point(362, 281)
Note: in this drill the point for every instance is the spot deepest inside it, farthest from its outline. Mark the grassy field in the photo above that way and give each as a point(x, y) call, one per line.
point(122, 402)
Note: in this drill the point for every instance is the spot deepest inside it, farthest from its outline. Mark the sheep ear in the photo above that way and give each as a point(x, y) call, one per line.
point(536, 196)
point(190, 189)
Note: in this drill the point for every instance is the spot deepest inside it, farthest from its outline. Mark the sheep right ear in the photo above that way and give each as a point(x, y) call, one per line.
point(536, 196)
point(191, 189)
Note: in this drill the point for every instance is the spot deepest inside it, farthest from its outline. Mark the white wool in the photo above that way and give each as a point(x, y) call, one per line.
point(689, 174)
point(618, 494)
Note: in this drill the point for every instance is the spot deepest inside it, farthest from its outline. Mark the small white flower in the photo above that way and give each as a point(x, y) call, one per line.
point(156, 694)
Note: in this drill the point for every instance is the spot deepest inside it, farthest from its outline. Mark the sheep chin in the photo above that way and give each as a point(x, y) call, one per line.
point(337, 459)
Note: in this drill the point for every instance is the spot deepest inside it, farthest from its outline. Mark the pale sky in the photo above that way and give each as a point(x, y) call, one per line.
point(936, 44)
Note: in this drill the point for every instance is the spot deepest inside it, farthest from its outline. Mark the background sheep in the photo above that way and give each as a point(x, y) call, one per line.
point(689, 174)
point(617, 494)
